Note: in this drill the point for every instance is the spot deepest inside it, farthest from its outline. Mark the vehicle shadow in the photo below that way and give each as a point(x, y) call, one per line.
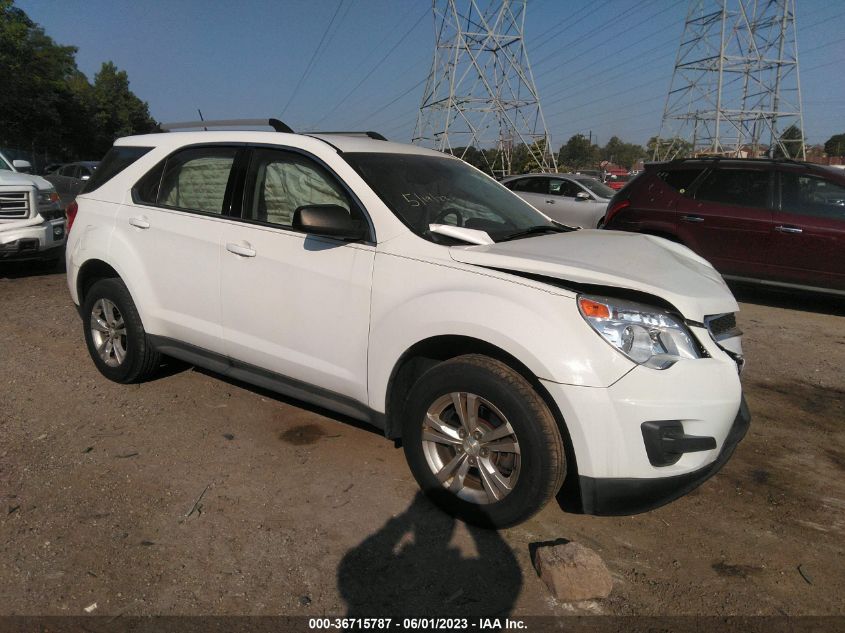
point(176, 366)
point(17, 270)
point(410, 568)
point(788, 299)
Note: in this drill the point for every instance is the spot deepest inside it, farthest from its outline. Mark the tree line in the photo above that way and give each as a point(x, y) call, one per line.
point(48, 106)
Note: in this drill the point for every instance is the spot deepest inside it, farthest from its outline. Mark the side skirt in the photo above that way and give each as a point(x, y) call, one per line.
point(272, 381)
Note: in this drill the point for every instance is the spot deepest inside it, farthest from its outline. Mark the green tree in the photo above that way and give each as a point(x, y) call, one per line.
point(793, 142)
point(680, 148)
point(835, 145)
point(117, 111)
point(48, 105)
point(33, 81)
point(621, 153)
point(578, 153)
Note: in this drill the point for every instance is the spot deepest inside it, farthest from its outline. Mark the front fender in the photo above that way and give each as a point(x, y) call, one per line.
point(540, 328)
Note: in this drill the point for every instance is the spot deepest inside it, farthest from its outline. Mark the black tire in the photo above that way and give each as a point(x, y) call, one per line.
point(141, 359)
point(542, 465)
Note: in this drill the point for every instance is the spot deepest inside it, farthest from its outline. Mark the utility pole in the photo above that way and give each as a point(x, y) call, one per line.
point(736, 85)
point(480, 92)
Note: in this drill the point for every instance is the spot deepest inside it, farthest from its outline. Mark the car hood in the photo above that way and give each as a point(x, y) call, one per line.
point(14, 178)
point(613, 258)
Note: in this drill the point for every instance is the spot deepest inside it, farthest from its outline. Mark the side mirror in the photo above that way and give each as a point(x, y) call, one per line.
point(582, 195)
point(329, 220)
point(22, 166)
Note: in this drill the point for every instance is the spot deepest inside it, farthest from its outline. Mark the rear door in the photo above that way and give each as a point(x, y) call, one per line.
point(174, 226)
point(728, 219)
point(808, 233)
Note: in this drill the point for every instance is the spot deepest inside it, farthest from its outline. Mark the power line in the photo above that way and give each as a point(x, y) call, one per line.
point(611, 78)
point(582, 53)
point(390, 103)
point(538, 44)
point(316, 52)
point(584, 36)
point(373, 69)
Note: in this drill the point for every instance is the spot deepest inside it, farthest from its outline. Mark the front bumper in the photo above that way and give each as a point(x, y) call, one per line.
point(618, 465)
point(41, 241)
point(624, 496)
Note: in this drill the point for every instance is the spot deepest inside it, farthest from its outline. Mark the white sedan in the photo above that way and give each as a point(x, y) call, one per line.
point(571, 199)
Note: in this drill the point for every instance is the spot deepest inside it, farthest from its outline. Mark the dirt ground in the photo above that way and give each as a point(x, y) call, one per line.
point(193, 495)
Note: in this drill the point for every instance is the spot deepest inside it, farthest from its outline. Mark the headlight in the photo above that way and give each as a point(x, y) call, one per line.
point(647, 335)
point(47, 198)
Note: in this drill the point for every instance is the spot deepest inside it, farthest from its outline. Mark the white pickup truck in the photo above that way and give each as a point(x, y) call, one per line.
point(32, 222)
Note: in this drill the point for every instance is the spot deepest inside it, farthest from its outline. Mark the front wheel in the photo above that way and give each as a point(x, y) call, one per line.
point(114, 334)
point(481, 443)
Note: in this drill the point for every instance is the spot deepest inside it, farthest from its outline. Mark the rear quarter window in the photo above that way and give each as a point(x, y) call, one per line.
point(115, 161)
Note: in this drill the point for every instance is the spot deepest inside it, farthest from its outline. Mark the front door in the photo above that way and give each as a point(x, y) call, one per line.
point(808, 232)
point(296, 304)
point(569, 208)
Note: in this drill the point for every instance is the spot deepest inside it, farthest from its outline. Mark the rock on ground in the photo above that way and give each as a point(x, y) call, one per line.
point(573, 572)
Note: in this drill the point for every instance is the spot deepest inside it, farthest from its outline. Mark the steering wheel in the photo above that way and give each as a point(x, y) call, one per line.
point(459, 218)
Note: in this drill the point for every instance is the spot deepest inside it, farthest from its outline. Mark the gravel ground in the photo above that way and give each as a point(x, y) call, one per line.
point(190, 494)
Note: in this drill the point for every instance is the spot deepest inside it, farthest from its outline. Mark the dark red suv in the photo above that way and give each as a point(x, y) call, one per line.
point(778, 222)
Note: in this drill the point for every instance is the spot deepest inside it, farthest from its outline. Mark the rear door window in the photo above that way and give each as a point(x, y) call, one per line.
point(742, 187)
point(197, 179)
point(532, 185)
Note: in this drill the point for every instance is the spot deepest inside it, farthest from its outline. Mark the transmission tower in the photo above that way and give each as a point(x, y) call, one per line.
point(480, 92)
point(735, 90)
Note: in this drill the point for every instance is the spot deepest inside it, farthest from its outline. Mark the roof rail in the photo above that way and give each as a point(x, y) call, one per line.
point(373, 135)
point(277, 125)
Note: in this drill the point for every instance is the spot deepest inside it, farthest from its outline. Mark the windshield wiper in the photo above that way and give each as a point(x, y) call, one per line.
point(536, 230)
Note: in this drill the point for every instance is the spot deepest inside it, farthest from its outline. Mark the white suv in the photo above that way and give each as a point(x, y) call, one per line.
point(402, 287)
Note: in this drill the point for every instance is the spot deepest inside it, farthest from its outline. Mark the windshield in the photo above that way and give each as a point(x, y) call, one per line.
point(4, 166)
point(424, 190)
point(597, 187)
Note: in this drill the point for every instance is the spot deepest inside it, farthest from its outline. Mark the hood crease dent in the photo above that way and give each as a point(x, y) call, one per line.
point(628, 261)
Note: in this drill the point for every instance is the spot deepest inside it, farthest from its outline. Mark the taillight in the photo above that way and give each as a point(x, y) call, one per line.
point(70, 214)
point(615, 208)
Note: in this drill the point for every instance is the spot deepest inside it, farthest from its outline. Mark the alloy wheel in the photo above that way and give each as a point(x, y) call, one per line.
point(471, 448)
point(108, 332)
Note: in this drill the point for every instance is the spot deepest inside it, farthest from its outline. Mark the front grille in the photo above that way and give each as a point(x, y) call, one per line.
point(14, 205)
point(723, 326)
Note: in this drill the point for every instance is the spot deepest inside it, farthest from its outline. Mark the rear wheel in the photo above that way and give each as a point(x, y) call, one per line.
point(481, 442)
point(114, 334)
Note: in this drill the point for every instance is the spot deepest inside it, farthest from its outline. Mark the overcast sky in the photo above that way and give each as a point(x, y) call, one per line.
point(602, 66)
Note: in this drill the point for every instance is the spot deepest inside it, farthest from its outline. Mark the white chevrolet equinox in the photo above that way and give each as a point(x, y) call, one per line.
point(514, 357)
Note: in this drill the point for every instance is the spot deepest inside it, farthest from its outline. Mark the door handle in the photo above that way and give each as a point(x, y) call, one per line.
point(550, 201)
point(140, 222)
point(788, 229)
point(237, 249)
point(692, 218)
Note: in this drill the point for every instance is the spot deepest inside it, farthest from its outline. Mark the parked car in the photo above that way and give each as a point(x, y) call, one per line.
point(32, 223)
point(571, 199)
point(777, 222)
point(70, 178)
point(616, 181)
point(402, 287)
